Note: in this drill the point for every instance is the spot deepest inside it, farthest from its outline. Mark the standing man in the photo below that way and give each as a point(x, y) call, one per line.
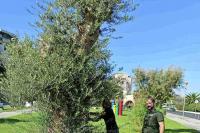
point(153, 120)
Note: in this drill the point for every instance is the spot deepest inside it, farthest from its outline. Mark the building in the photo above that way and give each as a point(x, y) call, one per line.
point(5, 37)
point(125, 82)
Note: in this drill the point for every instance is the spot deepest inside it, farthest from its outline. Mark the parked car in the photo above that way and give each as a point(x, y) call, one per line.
point(1, 105)
point(164, 106)
point(171, 109)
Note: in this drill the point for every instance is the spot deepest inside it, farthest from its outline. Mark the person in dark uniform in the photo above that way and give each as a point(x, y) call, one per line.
point(109, 117)
point(153, 120)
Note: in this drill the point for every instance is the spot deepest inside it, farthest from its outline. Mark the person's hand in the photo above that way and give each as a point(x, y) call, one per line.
point(96, 116)
point(95, 119)
point(103, 113)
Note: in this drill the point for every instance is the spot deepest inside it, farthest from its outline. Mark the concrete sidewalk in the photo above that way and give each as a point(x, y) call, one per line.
point(189, 122)
point(14, 113)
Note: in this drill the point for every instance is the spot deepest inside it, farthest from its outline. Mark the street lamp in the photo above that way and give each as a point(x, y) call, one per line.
point(196, 102)
point(185, 87)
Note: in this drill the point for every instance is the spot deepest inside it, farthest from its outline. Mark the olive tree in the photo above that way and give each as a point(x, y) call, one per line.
point(67, 70)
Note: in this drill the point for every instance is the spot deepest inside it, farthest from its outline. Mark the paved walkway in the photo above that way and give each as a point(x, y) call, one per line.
point(194, 115)
point(189, 122)
point(14, 113)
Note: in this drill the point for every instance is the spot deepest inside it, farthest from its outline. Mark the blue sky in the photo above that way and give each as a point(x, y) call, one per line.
point(163, 33)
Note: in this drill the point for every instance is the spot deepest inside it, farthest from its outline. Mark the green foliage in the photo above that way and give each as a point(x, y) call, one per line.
point(67, 70)
point(192, 97)
point(193, 107)
point(69, 85)
point(190, 104)
point(2, 75)
point(138, 112)
point(158, 83)
point(21, 69)
point(179, 106)
point(178, 101)
point(81, 22)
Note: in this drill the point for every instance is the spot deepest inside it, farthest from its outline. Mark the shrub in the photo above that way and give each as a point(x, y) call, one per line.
point(137, 114)
point(189, 107)
point(193, 107)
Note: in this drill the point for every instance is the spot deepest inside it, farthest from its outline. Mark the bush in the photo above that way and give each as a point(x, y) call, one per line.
point(179, 106)
point(189, 107)
point(163, 111)
point(138, 112)
point(193, 107)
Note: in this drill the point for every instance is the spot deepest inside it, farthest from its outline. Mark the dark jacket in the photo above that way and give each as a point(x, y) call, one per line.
point(109, 118)
point(151, 121)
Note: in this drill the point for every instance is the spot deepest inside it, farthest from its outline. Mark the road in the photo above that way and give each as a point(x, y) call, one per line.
point(14, 113)
point(187, 114)
point(187, 121)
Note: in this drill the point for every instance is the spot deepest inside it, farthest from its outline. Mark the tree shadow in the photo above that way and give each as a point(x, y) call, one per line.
point(181, 131)
point(11, 121)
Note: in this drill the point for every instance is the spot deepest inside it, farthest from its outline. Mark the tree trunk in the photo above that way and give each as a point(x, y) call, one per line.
point(57, 122)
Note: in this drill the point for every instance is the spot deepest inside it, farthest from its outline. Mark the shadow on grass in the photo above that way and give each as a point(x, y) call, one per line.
point(181, 131)
point(11, 121)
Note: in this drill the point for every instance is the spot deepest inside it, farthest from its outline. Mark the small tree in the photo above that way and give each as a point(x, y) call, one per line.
point(64, 87)
point(158, 83)
point(192, 97)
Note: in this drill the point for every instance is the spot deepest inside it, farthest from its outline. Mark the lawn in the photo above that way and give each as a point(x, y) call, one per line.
point(174, 127)
point(6, 108)
point(28, 123)
point(25, 123)
point(170, 125)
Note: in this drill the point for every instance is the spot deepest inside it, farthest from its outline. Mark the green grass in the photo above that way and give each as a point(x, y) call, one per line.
point(25, 123)
point(29, 123)
point(6, 108)
point(125, 125)
point(174, 127)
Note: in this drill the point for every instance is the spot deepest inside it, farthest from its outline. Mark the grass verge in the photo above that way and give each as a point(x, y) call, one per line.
point(29, 123)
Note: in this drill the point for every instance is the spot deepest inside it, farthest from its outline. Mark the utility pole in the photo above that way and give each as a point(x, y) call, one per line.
point(185, 87)
point(196, 102)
